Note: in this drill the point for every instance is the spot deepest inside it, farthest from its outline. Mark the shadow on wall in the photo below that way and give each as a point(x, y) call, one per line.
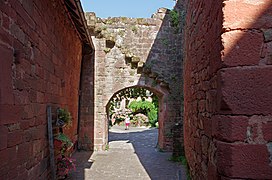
point(139, 52)
point(86, 103)
point(245, 91)
point(234, 113)
point(163, 70)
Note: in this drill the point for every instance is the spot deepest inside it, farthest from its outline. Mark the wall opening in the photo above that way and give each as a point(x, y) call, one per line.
point(143, 105)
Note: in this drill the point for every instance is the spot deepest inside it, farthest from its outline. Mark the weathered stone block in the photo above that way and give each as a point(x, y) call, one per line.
point(229, 128)
point(235, 160)
point(246, 90)
point(242, 48)
point(252, 14)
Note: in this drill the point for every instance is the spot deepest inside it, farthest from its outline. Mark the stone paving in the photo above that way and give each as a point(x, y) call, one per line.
point(132, 155)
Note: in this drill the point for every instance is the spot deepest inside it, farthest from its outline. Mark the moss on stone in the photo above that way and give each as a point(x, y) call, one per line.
point(106, 50)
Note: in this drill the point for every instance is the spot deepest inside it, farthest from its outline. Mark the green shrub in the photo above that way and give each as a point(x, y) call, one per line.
point(174, 18)
point(147, 108)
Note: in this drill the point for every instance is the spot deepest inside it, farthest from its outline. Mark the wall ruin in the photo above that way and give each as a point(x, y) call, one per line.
point(138, 52)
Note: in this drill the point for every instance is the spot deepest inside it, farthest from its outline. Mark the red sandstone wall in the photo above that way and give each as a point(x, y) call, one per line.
point(228, 93)
point(202, 61)
point(40, 65)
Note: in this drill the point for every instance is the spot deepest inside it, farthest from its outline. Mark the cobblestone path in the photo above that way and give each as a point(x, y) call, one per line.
point(132, 155)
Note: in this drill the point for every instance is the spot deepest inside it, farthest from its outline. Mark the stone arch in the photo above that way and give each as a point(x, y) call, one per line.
point(101, 116)
point(162, 94)
point(137, 52)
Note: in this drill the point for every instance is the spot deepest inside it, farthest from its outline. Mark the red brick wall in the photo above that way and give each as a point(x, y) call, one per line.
point(40, 65)
point(228, 89)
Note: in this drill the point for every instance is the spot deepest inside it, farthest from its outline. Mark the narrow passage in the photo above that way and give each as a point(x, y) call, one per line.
point(132, 155)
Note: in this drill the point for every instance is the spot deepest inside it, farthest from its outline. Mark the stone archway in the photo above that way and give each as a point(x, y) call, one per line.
point(138, 52)
point(162, 94)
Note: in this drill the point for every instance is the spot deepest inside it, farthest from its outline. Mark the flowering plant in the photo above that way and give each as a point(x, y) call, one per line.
point(65, 165)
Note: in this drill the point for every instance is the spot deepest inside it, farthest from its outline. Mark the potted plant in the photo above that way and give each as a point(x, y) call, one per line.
point(63, 117)
point(64, 163)
point(64, 166)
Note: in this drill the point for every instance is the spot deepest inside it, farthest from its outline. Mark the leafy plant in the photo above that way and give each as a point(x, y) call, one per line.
point(65, 139)
point(64, 117)
point(66, 143)
point(107, 147)
point(147, 108)
point(174, 15)
point(64, 163)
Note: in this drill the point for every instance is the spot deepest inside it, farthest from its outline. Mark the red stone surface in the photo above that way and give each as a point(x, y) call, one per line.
point(40, 65)
point(236, 160)
point(203, 58)
point(246, 90)
point(242, 48)
point(267, 131)
point(227, 66)
point(230, 128)
point(247, 14)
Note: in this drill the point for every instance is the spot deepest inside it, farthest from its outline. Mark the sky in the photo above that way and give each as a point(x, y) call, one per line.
point(126, 8)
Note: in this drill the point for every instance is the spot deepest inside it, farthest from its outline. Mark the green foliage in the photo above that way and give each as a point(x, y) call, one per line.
point(65, 139)
point(109, 21)
point(134, 29)
point(174, 15)
point(121, 33)
point(65, 116)
point(119, 120)
point(104, 28)
point(66, 143)
point(107, 147)
point(147, 108)
point(155, 101)
point(106, 50)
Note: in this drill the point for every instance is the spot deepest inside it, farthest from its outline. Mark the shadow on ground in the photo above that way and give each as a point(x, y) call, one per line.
point(132, 154)
point(83, 161)
point(144, 141)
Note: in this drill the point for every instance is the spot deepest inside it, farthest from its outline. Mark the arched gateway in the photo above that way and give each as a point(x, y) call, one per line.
point(135, 52)
point(162, 94)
